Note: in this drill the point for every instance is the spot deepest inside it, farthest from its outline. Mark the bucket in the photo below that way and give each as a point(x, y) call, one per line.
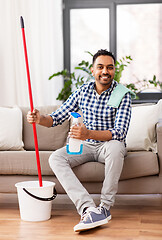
point(35, 202)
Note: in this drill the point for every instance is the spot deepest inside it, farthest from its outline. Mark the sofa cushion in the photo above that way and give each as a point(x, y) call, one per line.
point(48, 138)
point(139, 164)
point(24, 162)
point(142, 130)
point(136, 164)
point(11, 128)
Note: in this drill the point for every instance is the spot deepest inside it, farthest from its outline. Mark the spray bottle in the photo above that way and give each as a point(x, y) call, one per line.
point(74, 146)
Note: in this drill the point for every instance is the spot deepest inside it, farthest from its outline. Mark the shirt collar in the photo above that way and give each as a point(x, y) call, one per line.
point(109, 90)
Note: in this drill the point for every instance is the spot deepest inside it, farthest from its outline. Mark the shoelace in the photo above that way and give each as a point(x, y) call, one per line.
point(85, 215)
point(100, 208)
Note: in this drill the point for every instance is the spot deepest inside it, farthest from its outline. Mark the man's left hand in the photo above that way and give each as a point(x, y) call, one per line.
point(79, 132)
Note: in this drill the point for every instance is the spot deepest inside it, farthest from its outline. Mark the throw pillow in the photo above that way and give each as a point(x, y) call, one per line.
point(10, 129)
point(142, 130)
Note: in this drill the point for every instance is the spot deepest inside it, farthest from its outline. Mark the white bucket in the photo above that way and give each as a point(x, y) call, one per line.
point(35, 202)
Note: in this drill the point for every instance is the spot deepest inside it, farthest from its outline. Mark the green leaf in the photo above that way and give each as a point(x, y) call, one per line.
point(64, 73)
point(89, 53)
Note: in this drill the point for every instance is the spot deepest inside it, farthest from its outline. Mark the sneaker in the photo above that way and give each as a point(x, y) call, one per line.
point(91, 218)
point(106, 212)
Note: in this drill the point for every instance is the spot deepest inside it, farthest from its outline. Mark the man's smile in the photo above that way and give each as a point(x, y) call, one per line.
point(105, 77)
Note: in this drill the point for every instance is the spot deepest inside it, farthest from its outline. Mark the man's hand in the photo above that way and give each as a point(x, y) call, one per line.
point(79, 132)
point(33, 117)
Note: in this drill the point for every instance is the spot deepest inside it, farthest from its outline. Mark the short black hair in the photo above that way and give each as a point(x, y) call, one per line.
point(103, 52)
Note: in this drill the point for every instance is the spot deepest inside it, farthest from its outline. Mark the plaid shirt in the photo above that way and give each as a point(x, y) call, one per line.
point(97, 115)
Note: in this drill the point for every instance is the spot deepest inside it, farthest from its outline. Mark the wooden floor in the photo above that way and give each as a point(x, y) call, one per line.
point(129, 222)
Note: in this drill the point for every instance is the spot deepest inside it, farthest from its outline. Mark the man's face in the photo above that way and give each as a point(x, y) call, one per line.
point(103, 70)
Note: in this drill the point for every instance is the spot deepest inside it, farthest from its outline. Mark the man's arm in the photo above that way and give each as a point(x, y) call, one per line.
point(81, 132)
point(122, 119)
point(98, 135)
point(44, 120)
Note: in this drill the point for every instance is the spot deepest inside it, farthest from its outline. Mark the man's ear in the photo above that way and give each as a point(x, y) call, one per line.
point(92, 71)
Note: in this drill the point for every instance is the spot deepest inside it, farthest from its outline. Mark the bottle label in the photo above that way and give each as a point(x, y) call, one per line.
point(74, 146)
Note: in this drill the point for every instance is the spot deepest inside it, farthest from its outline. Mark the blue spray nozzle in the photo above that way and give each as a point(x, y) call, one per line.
point(75, 114)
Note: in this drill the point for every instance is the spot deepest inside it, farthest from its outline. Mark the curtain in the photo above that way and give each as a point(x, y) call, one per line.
point(43, 30)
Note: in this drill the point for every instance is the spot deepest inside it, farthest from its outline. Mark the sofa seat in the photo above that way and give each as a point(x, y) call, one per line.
point(24, 163)
point(136, 164)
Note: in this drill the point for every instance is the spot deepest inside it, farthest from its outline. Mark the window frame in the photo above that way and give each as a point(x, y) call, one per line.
point(81, 4)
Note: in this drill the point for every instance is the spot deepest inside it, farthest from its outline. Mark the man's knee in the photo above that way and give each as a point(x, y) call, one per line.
point(115, 149)
point(56, 158)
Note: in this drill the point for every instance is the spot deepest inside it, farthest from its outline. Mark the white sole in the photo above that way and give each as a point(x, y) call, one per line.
point(108, 218)
point(83, 227)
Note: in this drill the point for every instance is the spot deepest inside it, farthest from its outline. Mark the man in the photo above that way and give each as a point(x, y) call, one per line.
point(103, 130)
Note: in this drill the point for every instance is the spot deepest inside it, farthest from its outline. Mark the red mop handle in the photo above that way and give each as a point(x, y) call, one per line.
point(31, 103)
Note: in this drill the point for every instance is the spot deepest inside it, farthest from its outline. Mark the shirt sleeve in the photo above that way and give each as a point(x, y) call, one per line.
point(62, 113)
point(122, 119)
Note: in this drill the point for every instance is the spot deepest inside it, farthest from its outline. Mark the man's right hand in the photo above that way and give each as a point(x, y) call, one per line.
point(33, 117)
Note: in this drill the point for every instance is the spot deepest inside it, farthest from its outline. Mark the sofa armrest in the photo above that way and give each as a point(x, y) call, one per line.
point(159, 143)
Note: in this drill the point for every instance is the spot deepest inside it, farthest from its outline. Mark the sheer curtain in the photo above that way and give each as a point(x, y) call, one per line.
point(43, 30)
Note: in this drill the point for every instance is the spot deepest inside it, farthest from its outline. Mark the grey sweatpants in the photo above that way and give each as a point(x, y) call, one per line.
point(111, 153)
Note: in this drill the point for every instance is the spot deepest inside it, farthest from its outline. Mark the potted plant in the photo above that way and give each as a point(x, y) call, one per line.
point(141, 90)
point(75, 80)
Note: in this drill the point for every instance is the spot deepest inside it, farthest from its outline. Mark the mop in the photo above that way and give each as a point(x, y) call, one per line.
point(35, 202)
point(31, 102)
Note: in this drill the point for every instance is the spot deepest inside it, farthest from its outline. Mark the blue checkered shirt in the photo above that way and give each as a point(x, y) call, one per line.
point(97, 115)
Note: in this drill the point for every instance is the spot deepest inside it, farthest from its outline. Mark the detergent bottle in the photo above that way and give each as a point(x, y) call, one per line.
point(74, 146)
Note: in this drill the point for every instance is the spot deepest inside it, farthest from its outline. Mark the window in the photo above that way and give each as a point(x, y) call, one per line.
point(89, 31)
point(139, 35)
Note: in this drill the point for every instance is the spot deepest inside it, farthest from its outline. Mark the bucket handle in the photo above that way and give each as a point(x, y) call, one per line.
point(40, 198)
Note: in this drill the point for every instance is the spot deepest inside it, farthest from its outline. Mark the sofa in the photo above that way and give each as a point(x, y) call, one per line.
point(142, 170)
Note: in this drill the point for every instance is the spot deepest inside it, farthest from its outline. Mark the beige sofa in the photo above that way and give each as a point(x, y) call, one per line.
point(142, 171)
